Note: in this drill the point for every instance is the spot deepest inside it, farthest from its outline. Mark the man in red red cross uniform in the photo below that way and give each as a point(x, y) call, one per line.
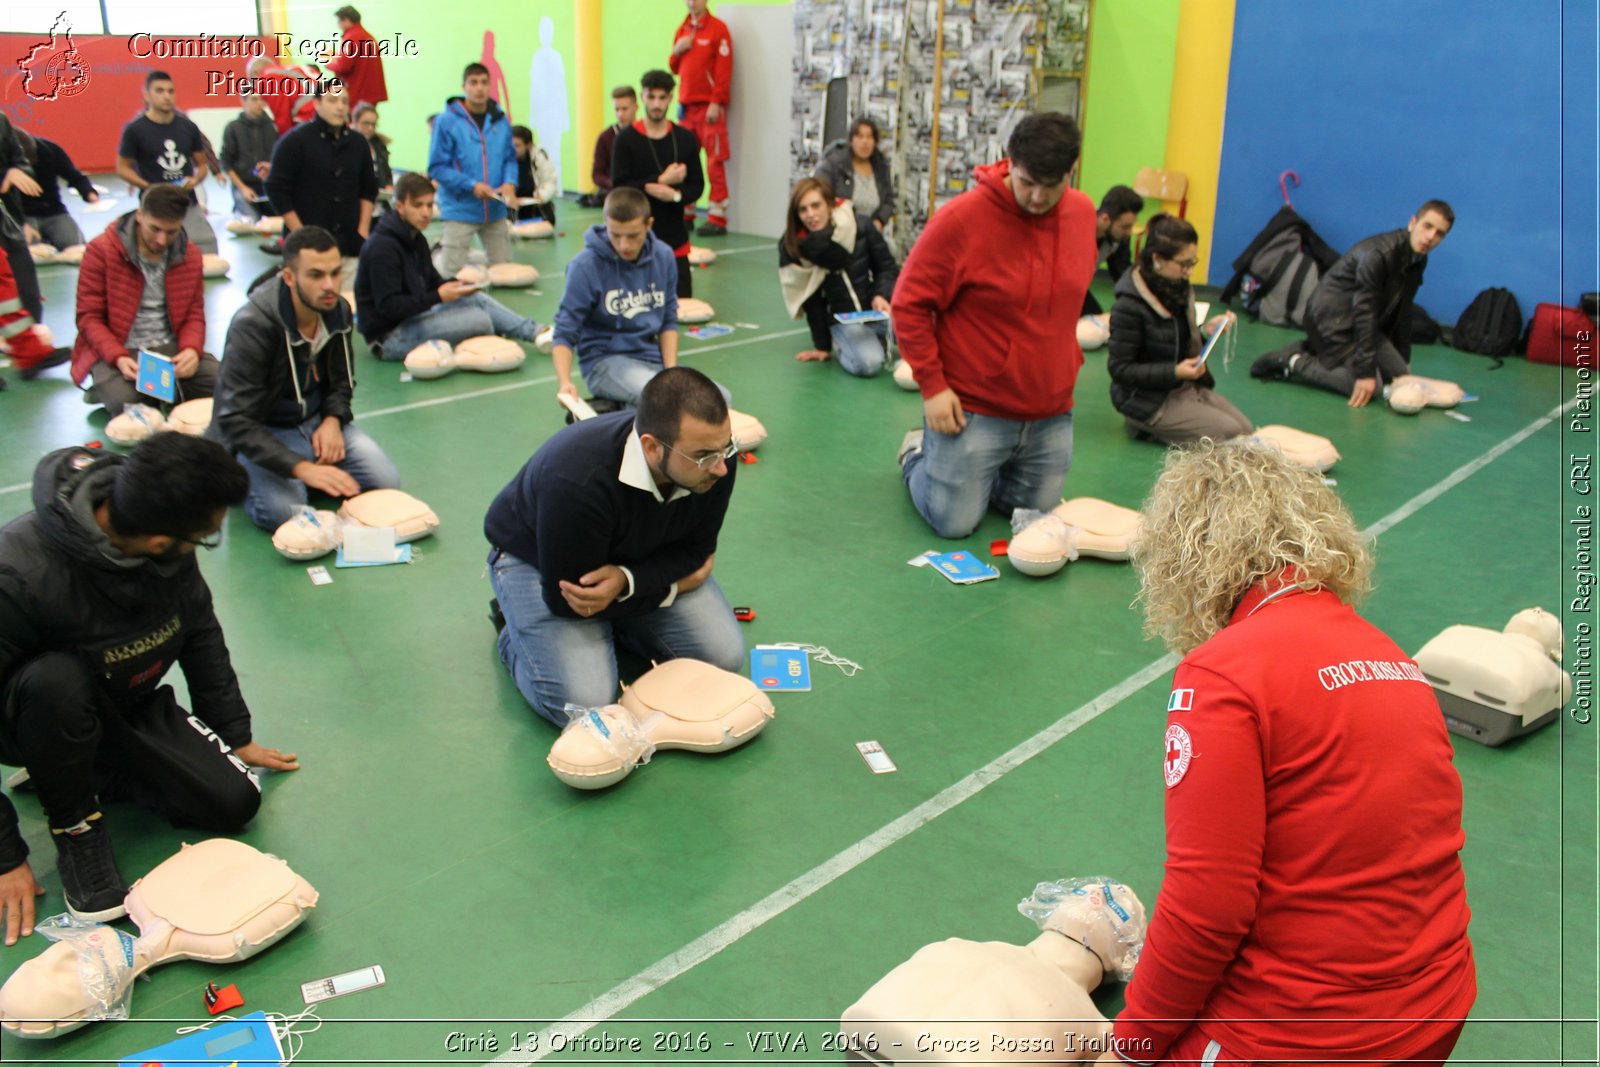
point(702, 58)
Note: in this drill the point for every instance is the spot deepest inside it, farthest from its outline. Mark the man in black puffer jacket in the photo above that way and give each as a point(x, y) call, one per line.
point(100, 595)
point(1359, 319)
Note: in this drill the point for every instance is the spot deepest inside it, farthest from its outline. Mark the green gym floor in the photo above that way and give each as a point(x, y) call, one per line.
point(710, 904)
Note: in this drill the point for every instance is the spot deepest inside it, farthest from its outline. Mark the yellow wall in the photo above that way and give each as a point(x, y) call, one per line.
point(1199, 99)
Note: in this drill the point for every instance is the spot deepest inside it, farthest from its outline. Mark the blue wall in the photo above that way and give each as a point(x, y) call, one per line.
point(1381, 104)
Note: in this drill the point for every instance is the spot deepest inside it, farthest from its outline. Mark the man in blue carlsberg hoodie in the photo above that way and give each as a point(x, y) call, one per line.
point(620, 308)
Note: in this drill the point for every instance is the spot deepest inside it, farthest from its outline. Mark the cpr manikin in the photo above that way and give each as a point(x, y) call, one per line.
point(311, 534)
point(1410, 393)
point(1083, 526)
point(486, 354)
point(1309, 450)
point(682, 703)
point(219, 901)
point(1495, 685)
point(139, 421)
point(995, 1003)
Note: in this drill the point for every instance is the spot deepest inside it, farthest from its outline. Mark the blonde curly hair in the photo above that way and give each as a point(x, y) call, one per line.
point(1223, 516)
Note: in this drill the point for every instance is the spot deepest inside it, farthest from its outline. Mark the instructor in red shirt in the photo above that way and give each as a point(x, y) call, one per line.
point(702, 58)
point(986, 312)
point(1313, 908)
point(357, 61)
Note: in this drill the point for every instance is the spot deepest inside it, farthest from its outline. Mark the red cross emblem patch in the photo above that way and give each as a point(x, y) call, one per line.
point(1180, 750)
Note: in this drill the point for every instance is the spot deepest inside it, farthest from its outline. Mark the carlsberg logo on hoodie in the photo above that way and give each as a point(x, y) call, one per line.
point(618, 307)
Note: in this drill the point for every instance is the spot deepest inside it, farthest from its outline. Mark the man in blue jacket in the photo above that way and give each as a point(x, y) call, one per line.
point(474, 162)
point(620, 307)
point(402, 300)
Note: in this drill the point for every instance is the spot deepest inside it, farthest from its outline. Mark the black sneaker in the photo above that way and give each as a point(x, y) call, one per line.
point(711, 229)
point(496, 616)
point(1274, 366)
point(93, 886)
point(28, 369)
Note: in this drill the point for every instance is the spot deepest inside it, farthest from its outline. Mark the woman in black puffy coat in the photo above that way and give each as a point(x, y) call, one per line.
point(1157, 380)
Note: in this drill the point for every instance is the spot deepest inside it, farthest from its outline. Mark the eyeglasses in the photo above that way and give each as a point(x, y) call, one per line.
point(705, 463)
point(213, 541)
point(1185, 265)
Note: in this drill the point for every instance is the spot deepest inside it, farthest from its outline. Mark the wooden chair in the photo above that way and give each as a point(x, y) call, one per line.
point(1164, 185)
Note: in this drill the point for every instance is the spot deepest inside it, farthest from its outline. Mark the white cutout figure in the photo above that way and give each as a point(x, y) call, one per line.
point(547, 96)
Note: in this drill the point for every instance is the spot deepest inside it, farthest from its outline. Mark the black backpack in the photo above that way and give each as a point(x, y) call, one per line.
point(1285, 276)
point(1491, 324)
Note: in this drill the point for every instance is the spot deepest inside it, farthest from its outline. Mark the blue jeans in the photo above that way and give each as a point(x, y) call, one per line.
point(471, 316)
point(623, 378)
point(1003, 463)
point(557, 661)
point(859, 346)
point(274, 499)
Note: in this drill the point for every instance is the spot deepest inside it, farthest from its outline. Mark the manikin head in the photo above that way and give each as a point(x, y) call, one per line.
point(1043, 150)
point(1102, 915)
point(1543, 628)
point(628, 220)
point(684, 427)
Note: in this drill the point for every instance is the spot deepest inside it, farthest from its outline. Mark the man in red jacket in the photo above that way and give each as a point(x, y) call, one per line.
point(357, 61)
point(140, 287)
point(702, 58)
point(1313, 908)
point(986, 312)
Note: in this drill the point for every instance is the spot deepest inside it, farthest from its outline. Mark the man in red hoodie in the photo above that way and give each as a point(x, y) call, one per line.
point(702, 58)
point(986, 313)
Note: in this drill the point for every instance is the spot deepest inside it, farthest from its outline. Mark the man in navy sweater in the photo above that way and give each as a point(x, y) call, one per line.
point(607, 537)
point(402, 300)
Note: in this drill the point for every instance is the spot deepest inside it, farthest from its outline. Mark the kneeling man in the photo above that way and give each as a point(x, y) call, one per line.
point(607, 537)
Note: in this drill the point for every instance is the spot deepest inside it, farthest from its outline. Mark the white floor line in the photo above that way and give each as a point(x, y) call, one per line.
point(773, 248)
point(709, 944)
point(691, 350)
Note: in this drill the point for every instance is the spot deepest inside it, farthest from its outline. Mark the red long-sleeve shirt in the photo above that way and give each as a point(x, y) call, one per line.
point(1313, 902)
point(705, 71)
point(360, 67)
point(987, 303)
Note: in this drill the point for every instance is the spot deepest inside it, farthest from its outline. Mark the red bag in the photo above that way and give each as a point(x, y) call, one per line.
point(1561, 335)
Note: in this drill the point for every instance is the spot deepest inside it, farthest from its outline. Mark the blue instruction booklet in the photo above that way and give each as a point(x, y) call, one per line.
point(869, 315)
point(780, 670)
point(156, 377)
point(962, 568)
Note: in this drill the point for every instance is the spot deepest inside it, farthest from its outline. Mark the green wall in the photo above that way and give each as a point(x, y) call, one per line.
point(447, 41)
point(1132, 45)
point(1127, 101)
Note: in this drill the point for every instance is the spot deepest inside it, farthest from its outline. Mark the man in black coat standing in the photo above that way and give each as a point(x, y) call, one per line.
point(322, 175)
